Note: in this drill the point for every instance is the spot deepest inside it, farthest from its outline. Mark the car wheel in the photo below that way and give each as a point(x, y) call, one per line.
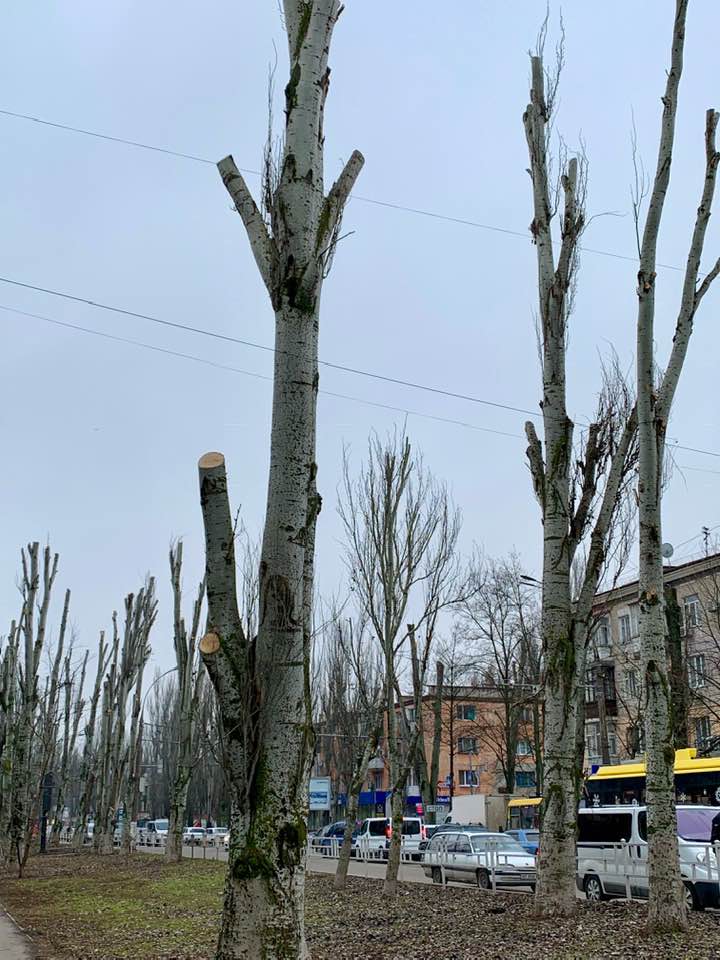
point(593, 889)
point(692, 901)
point(483, 879)
point(437, 875)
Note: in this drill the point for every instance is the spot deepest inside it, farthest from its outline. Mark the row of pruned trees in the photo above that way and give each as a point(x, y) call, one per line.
point(580, 483)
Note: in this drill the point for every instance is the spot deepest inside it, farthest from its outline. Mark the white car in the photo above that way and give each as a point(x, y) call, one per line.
point(216, 835)
point(194, 836)
point(612, 853)
point(480, 858)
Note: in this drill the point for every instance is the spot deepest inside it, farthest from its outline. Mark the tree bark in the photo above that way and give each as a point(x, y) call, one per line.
point(679, 692)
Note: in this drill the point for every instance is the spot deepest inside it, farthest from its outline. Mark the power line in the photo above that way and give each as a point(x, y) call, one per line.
point(268, 349)
point(327, 393)
point(346, 369)
point(418, 211)
point(248, 373)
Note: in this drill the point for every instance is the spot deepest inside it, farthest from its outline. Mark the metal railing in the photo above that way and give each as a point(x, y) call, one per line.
point(623, 866)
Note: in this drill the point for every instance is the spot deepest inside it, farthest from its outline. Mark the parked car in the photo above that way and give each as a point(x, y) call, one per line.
point(612, 853)
point(194, 836)
point(529, 839)
point(450, 828)
point(216, 835)
point(332, 833)
point(479, 858)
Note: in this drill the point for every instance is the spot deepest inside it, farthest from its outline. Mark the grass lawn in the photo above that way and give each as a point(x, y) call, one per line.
point(77, 907)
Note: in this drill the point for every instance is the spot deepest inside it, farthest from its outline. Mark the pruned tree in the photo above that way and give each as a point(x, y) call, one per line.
point(188, 688)
point(401, 535)
point(129, 656)
point(655, 399)
point(71, 715)
point(578, 490)
point(89, 762)
point(262, 682)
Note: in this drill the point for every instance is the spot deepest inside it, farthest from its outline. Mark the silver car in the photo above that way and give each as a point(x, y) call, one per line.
point(485, 859)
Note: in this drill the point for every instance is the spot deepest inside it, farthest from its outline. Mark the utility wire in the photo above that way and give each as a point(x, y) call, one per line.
point(248, 373)
point(268, 349)
point(418, 211)
point(415, 210)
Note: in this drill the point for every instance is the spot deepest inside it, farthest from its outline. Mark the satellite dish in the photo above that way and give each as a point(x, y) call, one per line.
point(667, 550)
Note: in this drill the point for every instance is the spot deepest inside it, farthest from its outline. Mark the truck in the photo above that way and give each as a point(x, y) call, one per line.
point(479, 808)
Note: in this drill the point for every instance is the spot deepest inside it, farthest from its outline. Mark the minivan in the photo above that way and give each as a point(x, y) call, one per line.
point(375, 834)
point(612, 853)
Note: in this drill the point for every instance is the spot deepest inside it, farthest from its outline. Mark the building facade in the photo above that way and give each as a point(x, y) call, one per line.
point(614, 694)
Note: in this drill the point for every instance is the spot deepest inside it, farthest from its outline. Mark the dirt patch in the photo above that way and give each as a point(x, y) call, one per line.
point(110, 908)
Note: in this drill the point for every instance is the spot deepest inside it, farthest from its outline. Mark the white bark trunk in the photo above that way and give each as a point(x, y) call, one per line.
point(263, 686)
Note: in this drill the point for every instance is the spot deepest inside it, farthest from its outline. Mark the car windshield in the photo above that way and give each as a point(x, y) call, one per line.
point(161, 824)
point(500, 843)
point(532, 835)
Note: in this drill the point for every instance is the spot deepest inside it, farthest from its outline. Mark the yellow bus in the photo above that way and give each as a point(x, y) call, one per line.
point(697, 780)
point(523, 813)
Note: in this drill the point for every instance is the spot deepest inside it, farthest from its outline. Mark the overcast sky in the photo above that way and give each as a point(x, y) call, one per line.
point(101, 438)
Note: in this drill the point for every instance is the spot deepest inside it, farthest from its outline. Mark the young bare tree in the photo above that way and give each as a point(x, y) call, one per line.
point(263, 683)
point(501, 624)
point(189, 680)
point(354, 707)
point(129, 657)
point(401, 535)
point(71, 715)
point(655, 398)
point(578, 500)
point(89, 762)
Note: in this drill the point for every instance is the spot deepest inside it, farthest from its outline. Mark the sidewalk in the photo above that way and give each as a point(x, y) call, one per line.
point(13, 944)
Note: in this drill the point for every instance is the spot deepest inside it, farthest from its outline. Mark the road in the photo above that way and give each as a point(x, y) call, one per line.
point(372, 870)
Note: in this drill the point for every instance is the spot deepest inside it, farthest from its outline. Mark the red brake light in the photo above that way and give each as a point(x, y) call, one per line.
point(388, 832)
point(423, 832)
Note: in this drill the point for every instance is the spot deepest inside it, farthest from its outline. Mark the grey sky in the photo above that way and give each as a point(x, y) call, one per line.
point(102, 438)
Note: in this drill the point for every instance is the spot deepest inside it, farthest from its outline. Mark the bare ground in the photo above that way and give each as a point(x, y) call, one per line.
point(77, 907)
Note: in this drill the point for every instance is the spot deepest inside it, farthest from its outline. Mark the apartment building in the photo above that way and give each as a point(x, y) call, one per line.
point(614, 682)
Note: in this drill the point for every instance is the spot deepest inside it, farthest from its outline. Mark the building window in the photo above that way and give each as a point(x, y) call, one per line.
point(702, 731)
point(411, 714)
point(636, 739)
point(696, 671)
point(464, 711)
point(525, 778)
point(635, 620)
point(612, 743)
point(468, 778)
point(690, 616)
point(592, 739)
point(527, 715)
point(631, 683)
point(589, 687)
point(524, 748)
point(601, 633)
point(467, 745)
point(624, 621)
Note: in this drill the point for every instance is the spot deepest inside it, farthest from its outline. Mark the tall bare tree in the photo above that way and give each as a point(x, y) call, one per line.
point(655, 398)
point(263, 683)
point(189, 688)
point(401, 535)
point(578, 490)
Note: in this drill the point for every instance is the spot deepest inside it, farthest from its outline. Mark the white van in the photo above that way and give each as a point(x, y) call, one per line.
point(612, 853)
point(374, 835)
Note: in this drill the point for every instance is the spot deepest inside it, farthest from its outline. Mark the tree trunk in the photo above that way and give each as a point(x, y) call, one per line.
point(263, 684)
point(437, 735)
point(352, 809)
point(680, 694)
point(178, 813)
